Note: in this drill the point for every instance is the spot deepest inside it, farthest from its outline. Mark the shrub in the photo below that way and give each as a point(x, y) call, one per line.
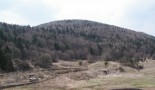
point(139, 67)
point(6, 63)
point(80, 63)
point(23, 66)
point(106, 63)
point(121, 69)
point(45, 61)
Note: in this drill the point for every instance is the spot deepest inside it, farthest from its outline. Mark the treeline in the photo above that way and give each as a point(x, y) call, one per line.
point(71, 40)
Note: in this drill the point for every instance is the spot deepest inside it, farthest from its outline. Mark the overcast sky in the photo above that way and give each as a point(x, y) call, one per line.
point(137, 15)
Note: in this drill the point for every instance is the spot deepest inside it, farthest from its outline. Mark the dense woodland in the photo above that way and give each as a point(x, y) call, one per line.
point(71, 40)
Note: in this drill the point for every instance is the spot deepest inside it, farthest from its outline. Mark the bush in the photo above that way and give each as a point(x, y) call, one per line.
point(7, 66)
point(80, 63)
point(23, 66)
point(6, 63)
point(139, 67)
point(121, 69)
point(45, 61)
point(54, 58)
point(106, 63)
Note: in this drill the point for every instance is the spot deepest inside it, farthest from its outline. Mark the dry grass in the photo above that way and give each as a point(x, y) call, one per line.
point(144, 79)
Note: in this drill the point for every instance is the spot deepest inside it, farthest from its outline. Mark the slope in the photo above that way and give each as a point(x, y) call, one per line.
point(71, 40)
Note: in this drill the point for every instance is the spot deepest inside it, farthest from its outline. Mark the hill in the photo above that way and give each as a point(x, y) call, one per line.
point(71, 40)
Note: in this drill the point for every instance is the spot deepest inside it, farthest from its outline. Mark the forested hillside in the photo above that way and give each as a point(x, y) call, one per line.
point(71, 40)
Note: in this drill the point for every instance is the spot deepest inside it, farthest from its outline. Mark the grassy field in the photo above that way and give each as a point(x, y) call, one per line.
point(144, 79)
